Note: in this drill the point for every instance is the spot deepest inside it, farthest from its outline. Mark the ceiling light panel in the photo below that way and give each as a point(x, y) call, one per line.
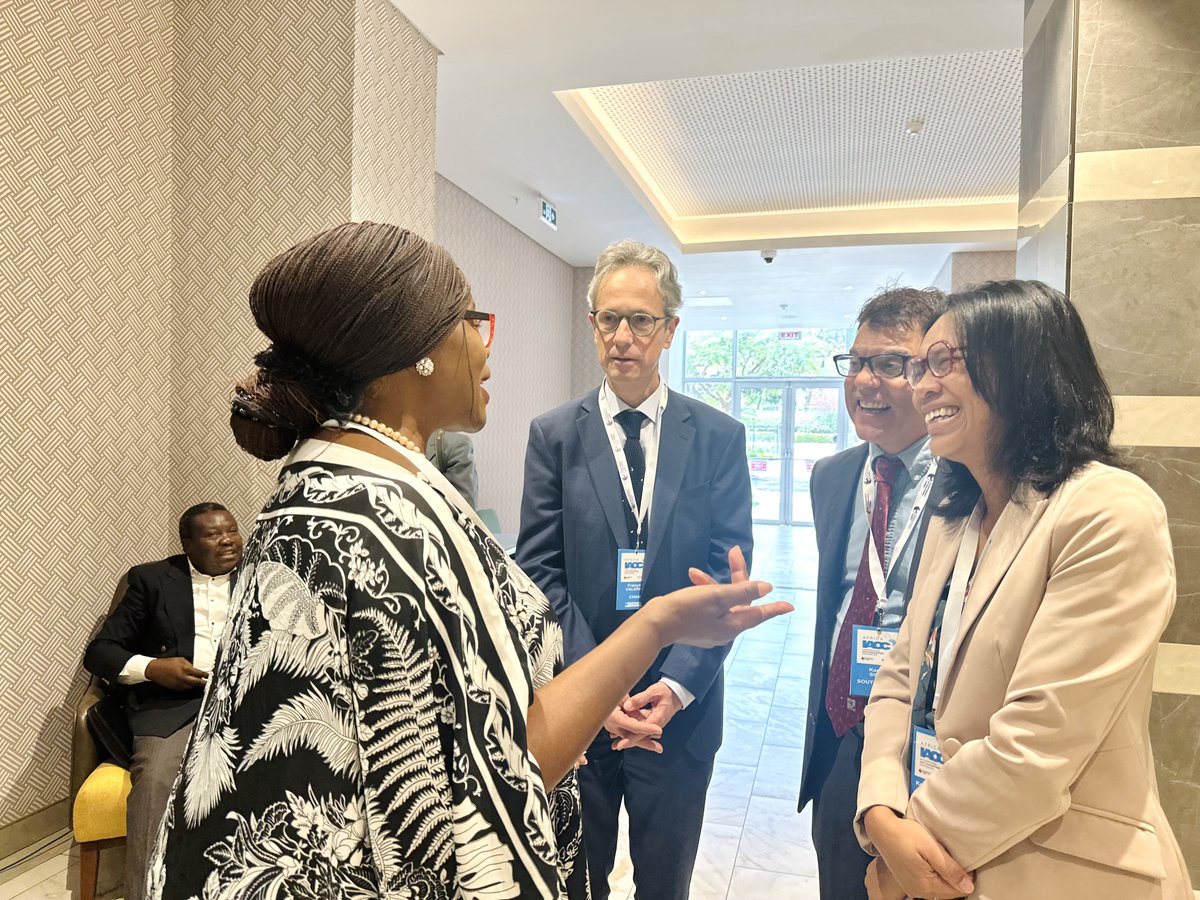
point(825, 137)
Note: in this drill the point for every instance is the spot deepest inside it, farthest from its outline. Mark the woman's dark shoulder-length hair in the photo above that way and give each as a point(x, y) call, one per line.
point(1030, 360)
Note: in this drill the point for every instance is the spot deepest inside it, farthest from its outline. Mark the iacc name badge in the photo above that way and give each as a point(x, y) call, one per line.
point(630, 564)
point(869, 645)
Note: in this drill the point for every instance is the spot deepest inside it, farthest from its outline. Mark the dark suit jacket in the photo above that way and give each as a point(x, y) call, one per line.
point(834, 488)
point(156, 617)
point(573, 522)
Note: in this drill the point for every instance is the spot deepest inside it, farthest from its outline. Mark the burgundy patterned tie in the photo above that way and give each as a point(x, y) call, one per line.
point(845, 711)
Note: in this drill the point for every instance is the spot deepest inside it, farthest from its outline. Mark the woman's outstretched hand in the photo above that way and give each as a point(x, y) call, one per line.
point(710, 614)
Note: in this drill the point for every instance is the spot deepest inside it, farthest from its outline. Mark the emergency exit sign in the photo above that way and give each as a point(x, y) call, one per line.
point(790, 335)
point(549, 214)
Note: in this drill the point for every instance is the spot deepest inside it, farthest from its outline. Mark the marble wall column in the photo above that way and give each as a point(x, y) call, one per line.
point(1110, 210)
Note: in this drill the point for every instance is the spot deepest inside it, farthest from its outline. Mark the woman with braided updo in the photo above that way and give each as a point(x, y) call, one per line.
point(386, 716)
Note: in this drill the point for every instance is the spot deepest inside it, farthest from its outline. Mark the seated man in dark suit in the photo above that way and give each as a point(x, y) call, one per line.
point(161, 642)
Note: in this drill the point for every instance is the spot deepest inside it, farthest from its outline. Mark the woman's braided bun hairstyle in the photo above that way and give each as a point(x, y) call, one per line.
point(341, 309)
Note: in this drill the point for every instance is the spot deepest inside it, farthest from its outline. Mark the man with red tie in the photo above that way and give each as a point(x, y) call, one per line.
point(870, 506)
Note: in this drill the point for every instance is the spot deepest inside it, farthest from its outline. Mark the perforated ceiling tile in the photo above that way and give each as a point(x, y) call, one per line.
point(826, 137)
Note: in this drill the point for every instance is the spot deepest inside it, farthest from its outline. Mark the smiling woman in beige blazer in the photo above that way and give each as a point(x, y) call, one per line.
point(1032, 663)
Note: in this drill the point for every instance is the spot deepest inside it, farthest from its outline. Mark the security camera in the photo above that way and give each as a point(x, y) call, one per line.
point(767, 255)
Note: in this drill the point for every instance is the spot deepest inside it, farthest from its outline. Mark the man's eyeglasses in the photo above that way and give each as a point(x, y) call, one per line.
point(485, 324)
point(939, 360)
point(883, 365)
point(641, 324)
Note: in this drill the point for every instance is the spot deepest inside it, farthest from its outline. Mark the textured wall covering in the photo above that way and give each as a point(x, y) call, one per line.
point(85, 173)
point(529, 290)
point(153, 156)
point(585, 369)
point(264, 111)
point(282, 128)
point(395, 83)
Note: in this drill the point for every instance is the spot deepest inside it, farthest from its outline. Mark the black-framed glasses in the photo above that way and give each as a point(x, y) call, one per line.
point(485, 324)
point(641, 324)
point(882, 365)
point(939, 360)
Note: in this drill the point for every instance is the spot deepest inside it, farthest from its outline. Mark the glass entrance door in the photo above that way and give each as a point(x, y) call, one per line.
point(789, 426)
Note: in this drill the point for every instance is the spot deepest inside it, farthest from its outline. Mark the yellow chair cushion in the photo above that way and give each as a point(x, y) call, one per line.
point(100, 804)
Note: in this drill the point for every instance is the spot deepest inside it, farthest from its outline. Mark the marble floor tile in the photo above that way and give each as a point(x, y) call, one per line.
point(756, 884)
point(742, 743)
point(620, 880)
point(778, 773)
point(776, 838)
point(714, 859)
point(752, 673)
point(785, 726)
point(791, 691)
point(55, 866)
point(748, 704)
point(729, 794)
point(63, 884)
point(760, 651)
point(796, 665)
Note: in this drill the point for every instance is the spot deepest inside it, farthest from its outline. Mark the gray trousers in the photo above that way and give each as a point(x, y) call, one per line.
point(841, 862)
point(156, 762)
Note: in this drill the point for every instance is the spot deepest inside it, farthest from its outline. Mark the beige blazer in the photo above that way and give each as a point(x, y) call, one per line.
point(1048, 788)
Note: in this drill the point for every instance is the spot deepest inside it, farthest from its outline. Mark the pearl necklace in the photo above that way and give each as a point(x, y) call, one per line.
point(376, 425)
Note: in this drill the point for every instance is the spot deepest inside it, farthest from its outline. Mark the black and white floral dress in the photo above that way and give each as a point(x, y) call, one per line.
point(364, 730)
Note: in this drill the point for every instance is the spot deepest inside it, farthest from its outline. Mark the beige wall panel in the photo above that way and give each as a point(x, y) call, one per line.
point(1139, 66)
point(1134, 271)
point(585, 367)
point(529, 290)
point(1174, 474)
point(282, 124)
point(1174, 724)
point(85, 182)
point(395, 90)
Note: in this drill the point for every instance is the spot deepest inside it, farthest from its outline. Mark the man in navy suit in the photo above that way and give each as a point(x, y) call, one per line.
point(625, 489)
point(895, 475)
point(160, 643)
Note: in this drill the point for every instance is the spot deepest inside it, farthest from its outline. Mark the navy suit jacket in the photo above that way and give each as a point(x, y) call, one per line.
point(156, 617)
point(834, 488)
point(573, 523)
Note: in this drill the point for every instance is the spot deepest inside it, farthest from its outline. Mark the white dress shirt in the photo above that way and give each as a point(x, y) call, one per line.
point(652, 408)
point(210, 605)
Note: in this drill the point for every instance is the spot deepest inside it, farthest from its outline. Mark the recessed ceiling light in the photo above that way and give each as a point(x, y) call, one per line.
point(696, 302)
point(914, 125)
point(703, 293)
point(848, 287)
point(724, 318)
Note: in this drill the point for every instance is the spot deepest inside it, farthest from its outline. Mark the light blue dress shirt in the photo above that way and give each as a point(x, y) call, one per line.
point(917, 458)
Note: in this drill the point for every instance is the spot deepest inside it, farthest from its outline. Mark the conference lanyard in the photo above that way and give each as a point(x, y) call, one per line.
point(879, 574)
point(616, 435)
point(965, 567)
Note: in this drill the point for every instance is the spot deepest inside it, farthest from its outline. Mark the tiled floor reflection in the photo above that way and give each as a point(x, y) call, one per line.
point(754, 845)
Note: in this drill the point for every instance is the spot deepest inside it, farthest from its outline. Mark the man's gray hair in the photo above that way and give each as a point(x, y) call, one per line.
point(623, 254)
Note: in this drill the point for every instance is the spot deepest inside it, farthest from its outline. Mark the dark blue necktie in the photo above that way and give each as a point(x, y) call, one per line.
point(631, 421)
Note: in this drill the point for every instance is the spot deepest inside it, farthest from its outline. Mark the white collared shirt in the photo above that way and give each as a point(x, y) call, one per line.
point(210, 610)
point(652, 408)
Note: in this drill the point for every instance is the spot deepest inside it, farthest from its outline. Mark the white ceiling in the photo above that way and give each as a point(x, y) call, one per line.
point(504, 138)
point(826, 137)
